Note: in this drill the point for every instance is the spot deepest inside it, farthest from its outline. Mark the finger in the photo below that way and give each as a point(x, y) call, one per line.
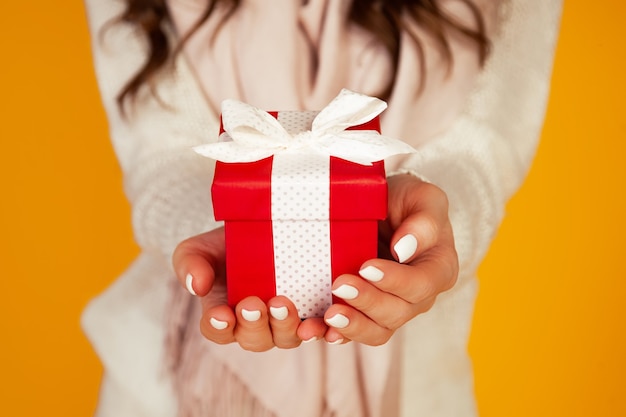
point(433, 273)
point(218, 324)
point(198, 260)
point(385, 309)
point(354, 325)
point(284, 322)
point(312, 329)
point(418, 212)
point(334, 337)
point(253, 330)
point(418, 234)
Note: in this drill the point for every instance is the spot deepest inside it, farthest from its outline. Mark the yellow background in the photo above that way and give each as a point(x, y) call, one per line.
point(549, 329)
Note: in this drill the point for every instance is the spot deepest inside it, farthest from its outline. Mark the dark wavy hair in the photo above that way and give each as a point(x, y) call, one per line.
point(384, 19)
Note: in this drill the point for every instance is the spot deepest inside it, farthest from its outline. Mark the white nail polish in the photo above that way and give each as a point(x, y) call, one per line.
point(336, 342)
point(279, 313)
point(405, 248)
point(218, 324)
point(347, 292)
point(371, 273)
point(188, 283)
point(250, 315)
point(313, 339)
point(338, 321)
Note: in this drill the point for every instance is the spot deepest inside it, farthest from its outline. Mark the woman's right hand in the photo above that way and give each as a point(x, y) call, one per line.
point(199, 263)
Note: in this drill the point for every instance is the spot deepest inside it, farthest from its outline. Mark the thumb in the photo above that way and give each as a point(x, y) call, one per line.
point(199, 261)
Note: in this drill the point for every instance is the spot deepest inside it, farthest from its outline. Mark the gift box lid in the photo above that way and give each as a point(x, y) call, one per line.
point(242, 191)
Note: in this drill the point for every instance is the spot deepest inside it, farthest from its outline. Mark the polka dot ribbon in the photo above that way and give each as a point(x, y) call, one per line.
point(253, 134)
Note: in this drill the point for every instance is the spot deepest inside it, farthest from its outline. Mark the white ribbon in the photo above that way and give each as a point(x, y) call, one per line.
point(255, 134)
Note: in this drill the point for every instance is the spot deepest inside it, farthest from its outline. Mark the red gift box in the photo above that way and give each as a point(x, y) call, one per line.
point(294, 242)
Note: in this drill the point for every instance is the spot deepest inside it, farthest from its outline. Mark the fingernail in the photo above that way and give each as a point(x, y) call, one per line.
point(347, 292)
point(338, 321)
point(313, 339)
point(250, 315)
point(336, 342)
point(218, 324)
point(371, 273)
point(405, 248)
point(279, 313)
point(188, 283)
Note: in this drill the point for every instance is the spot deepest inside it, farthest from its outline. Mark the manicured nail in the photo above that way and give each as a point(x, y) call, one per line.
point(218, 324)
point(250, 315)
point(371, 273)
point(188, 283)
point(313, 339)
point(279, 313)
point(347, 292)
point(405, 248)
point(338, 321)
point(336, 342)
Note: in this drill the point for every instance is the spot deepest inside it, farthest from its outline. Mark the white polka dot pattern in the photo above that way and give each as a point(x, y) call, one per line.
point(295, 122)
point(300, 224)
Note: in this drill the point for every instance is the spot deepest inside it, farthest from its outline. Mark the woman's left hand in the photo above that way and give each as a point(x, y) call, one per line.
point(388, 293)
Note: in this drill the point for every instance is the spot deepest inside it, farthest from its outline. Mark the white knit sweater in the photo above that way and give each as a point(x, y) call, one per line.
point(479, 160)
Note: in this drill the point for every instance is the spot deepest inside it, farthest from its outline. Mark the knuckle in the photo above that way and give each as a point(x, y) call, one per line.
point(186, 246)
point(394, 322)
point(426, 305)
point(220, 339)
point(365, 302)
point(430, 227)
point(452, 271)
point(381, 338)
point(454, 277)
point(287, 344)
point(255, 347)
point(442, 199)
point(423, 288)
point(435, 193)
point(254, 339)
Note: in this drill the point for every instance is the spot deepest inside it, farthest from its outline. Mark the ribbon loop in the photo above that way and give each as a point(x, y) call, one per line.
point(347, 110)
point(254, 134)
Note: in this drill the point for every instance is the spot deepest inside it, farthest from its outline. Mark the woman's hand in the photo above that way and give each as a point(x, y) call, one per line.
point(256, 326)
point(388, 293)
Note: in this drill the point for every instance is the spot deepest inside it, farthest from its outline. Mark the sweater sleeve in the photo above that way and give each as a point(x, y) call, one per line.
point(484, 157)
point(166, 182)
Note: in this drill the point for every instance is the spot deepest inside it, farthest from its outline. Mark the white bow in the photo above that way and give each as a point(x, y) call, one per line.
point(257, 135)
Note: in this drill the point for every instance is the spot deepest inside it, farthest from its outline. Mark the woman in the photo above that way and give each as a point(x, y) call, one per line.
point(475, 128)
